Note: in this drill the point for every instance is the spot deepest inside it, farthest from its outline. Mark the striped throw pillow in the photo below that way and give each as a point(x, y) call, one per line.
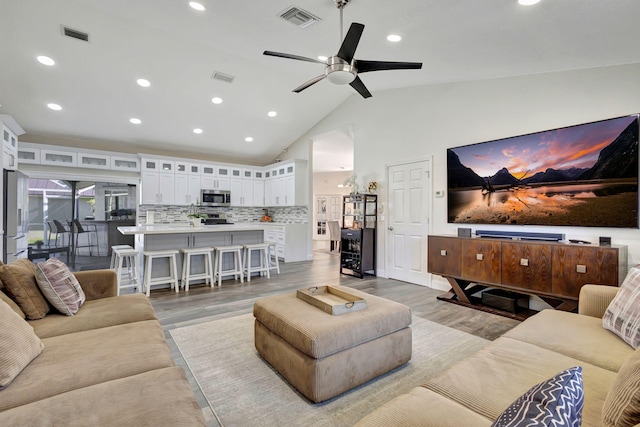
point(19, 345)
point(59, 286)
point(623, 314)
point(622, 406)
point(557, 401)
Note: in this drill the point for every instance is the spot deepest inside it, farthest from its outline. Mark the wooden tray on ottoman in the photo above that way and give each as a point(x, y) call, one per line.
point(331, 300)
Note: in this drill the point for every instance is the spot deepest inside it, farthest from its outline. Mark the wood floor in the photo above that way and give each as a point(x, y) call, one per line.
point(203, 303)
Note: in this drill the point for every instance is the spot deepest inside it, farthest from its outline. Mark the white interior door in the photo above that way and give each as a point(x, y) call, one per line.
point(408, 219)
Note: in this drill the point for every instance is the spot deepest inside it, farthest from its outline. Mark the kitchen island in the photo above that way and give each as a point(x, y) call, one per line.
point(180, 236)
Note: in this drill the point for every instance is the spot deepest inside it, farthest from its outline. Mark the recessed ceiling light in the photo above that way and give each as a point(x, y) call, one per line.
point(45, 60)
point(216, 100)
point(197, 6)
point(53, 106)
point(272, 114)
point(135, 121)
point(143, 82)
point(197, 130)
point(248, 139)
point(322, 58)
point(394, 38)
point(528, 2)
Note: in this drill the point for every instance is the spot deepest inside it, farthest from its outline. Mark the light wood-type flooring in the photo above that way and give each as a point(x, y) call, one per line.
point(203, 303)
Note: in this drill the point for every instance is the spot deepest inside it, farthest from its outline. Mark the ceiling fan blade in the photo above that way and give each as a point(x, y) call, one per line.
point(366, 66)
point(350, 42)
point(290, 56)
point(360, 87)
point(305, 85)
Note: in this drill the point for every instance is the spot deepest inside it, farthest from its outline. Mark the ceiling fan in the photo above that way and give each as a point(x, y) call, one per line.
point(343, 68)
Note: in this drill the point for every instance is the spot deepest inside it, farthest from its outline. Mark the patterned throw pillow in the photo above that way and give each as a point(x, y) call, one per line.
point(623, 314)
point(556, 401)
point(622, 405)
point(19, 345)
point(60, 286)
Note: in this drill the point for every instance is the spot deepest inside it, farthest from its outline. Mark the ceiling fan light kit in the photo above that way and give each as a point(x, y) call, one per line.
point(343, 68)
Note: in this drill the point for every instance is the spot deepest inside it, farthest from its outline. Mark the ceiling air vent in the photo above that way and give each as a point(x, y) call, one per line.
point(299, 17)
point(75, 34)
point(227, 78)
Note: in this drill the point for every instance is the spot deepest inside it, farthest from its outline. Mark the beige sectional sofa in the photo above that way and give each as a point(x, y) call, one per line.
point(475, 391)
point(108, 365)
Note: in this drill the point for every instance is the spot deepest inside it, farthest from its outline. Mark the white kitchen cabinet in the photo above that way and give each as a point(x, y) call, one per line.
point(290, 239)
point(258, 192)
point(215, 177)
point(94, 161)
point(242, 192)
point(130, 164)
point(286, 184)
point(9, 148)
point(28, 155)
point(187, 185)
point(58, 158)
point(158, 181)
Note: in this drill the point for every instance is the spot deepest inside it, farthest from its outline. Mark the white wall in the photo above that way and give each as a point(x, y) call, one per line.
point(421, 122)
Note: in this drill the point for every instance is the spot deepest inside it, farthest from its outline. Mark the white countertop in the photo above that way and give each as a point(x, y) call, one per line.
point(185, 228)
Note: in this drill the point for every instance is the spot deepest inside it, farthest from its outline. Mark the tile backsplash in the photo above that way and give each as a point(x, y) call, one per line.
point(173, 214)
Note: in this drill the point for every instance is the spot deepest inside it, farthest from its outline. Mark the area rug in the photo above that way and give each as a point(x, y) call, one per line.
point(243, 390)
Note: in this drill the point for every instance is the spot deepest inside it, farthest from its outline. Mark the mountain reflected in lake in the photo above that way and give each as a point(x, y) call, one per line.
point(614, 203)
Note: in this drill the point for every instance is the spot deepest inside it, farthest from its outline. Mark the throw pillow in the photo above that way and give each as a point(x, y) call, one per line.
point(622, 406)
point(556, 401)
point(60, 286)
point(11, 303)
point(19, 279)
point(622, 317)
point(19, 345)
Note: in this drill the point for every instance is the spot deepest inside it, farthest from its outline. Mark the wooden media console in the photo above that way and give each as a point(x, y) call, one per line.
point(554, 272)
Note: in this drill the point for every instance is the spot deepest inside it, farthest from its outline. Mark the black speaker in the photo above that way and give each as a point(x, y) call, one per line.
point(464, 232)
point(520, 235)
point(605, 241)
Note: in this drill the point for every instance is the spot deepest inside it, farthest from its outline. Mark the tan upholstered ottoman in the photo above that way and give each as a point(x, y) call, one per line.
point(323, 355)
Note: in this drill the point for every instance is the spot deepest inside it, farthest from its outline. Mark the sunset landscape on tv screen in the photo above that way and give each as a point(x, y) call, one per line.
point(584, 175)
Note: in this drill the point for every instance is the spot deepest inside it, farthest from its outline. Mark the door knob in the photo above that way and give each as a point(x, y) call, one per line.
point(390, 228)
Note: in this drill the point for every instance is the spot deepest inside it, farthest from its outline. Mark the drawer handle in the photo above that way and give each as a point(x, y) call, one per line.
point(443, 252)
point(581, 268)
point(349, 304)
point(524, 262)
point(479, 257)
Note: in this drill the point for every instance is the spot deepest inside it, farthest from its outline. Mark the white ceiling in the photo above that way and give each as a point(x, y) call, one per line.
point(178, 49)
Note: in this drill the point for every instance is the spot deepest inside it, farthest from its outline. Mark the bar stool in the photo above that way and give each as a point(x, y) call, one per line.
point(264, 266)
point(126, 263)
point(60, 229)
point(276, 264)
point(187, 275)
point(236, 253)
point(88, 230)
point(113, 254)
point(172, 278)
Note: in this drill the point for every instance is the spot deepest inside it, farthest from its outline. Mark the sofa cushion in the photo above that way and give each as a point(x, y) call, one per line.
point(573, 335)
point(622, 407)
point(490, 380)
point(11, 303)
point(82, 359)
point(97, 314)
point(161, 397)
point(19, 345)
point(422, 407)
point(556, 401)
point(623, 314)
point(19, 279)
point(59, 286)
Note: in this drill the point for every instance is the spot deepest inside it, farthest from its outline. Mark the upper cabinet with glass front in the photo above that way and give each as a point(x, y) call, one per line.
point(10, 132)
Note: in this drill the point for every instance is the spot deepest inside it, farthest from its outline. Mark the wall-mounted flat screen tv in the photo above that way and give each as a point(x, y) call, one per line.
point(584, 175)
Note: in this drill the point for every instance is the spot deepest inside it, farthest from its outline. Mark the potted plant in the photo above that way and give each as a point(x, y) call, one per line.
point(196, 218)
point(38, 243)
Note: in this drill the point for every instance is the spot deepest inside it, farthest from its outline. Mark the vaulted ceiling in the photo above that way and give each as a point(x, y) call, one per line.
point(178, 49)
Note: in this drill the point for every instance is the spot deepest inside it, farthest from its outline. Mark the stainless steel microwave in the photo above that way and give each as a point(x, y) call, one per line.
point(215, 198)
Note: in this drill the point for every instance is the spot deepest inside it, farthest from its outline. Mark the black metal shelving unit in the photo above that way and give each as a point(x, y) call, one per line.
point(358, 234)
